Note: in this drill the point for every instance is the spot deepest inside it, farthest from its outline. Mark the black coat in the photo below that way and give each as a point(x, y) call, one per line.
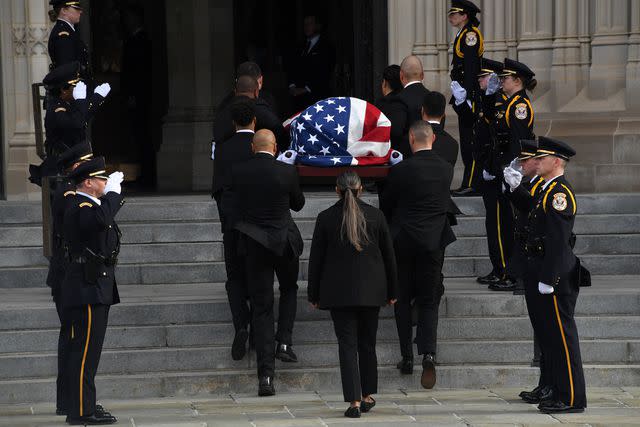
point(262, 193)
point(468, 47)
point(63, 198)
point(313, 69)
point(65, 123)
point(412, 98)
point(88, 225)
point(339, 275)
point(223, 127)
point(445, 145)
point(416, 201)
point(236, 149)
point(396, 111)
point(66, 46)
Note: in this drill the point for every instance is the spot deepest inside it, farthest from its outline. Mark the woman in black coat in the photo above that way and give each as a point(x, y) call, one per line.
point(352, 272)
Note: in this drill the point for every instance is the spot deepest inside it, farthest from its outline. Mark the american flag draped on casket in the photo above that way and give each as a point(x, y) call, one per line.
point(340, 132)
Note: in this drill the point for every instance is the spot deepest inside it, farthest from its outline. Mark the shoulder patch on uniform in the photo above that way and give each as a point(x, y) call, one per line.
point(522, 111)
point(60, 109)
point(69, 193)
point(86, 204)
point(471, 38)
point(63, 33)
point(559, 202)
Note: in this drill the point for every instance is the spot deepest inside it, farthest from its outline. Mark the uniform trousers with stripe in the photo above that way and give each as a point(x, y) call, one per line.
point(535, 302)
point(499, 224)
point(64, 338)
point(89, 324)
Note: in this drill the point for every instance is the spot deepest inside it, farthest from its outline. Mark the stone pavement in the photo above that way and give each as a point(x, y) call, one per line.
point(440, 407)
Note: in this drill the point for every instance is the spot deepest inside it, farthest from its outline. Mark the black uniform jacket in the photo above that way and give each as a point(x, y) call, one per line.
point(63, 198)
point(65, 123)
point(550, 235)
point(468, 47)
point(416, 200)
point(65, 46)
point(88, 225)
point(263, 192)
point(339, 275)
point(514, 120)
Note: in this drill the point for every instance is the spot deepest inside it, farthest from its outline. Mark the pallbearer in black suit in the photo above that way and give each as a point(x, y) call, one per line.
point(236, 149)
point(468, 47)
point(352, 272)
point(89, 288)
point(433, 111)
point(264, 193)
point(556, 273)
point(65, 45)
point(391, 105)
point(411, 96)
point(416, 202)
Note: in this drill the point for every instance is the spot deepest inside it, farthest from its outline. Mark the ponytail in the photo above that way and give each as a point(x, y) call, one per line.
point(531, 84)
point(354, 224)
point(54, 13)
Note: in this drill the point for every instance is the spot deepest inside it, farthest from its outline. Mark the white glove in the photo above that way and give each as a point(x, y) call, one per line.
point(459, 93)
point(288, 156)
point(515, 165)
point(213, 150)
point(493, 85)
point(512, 177)
point(395, 158)
point(113, 183)
point(545, 289)
point(103, 89)
point(80, 91)
point(487, 176)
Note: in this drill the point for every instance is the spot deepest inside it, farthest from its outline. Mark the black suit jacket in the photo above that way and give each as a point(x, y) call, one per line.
point(263, 191)
point(416, 201)
point(339, 275)
point(88, 225)
point(314, 69)
point(65, 46)
point(234, 150)
point(412, 98)
point(445, 145)
point(223, 127)
point(396, 111)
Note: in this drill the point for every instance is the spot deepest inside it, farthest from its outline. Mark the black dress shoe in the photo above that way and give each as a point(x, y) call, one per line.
point(557, 407)
point(405, 366)
point(542, 394)
point(488, 279)
point(352, 412)
point(285, 353)
point(502, 286)
point(428, 378)
point(92, 420)
point(529, 394)
point(239, 346)
point(265, 387)
point(366, 406)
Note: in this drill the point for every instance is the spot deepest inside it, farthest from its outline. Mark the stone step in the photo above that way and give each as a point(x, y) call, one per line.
point(187, 359)
point(177, 208)
point(32, 309)
point(209, 231)
point(205, 272)
point(317, 331)
point(288, 379)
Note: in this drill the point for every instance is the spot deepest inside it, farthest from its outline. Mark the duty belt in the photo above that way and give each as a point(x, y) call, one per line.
point(534, 249)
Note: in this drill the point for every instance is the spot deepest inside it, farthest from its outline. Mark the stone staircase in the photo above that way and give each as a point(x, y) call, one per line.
point(172, 333)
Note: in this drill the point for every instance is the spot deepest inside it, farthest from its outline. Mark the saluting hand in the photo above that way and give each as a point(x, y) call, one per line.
point(80, 91)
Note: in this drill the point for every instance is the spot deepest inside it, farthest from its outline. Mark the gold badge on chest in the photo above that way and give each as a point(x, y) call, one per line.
point(521, 111)
point(471, 38)
point(559, 201)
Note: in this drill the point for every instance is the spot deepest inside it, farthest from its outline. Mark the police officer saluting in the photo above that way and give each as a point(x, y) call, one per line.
point(89, 288)
point(555, 271)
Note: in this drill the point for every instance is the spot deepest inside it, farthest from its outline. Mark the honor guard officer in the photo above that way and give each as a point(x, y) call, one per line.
point(63, 195)
point(69, 112)
point(65, 45)
point(89, 288)
point(555, 271)
point(468, 47)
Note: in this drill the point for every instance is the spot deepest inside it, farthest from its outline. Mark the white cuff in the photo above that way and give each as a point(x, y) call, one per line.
point(544, 288)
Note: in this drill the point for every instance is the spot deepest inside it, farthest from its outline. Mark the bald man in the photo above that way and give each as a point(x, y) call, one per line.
point(264, 193)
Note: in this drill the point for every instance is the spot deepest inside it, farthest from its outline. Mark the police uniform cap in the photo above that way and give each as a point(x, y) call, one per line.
point(67, 74)
point(77, 153)
point(65, 3)
point(94, 168)
point(515, 68)
point(528, 149)
point(463, 6)
point(488, 66)
point(554, 147)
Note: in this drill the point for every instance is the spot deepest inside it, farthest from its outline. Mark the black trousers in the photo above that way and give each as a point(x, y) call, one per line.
point(64, 338)
point(88, 327)
point(499, 225)
point(419, 279)
point(260, 266)
point(471, 169)
point(356, 329)
point(236, 284)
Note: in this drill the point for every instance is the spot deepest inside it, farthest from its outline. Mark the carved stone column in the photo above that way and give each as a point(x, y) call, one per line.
point(609, 49)
point(24, 61)
point(198, 33)
point(565, 73)
point(633, 64)
point(425, 45)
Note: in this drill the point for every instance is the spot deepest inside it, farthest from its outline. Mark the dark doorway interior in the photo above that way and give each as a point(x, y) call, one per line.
point(128, 50)
point(268, 32)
